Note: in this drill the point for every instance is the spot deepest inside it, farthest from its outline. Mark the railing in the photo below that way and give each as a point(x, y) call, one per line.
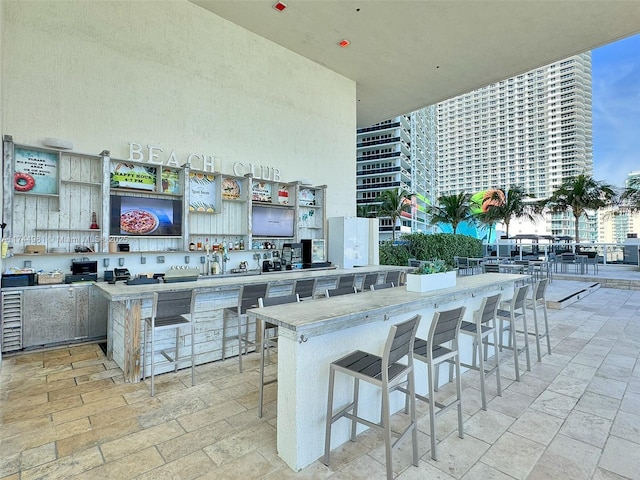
point(607, 252)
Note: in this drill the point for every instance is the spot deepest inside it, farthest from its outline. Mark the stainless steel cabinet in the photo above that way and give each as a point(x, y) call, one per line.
point(49, 316)
point(63, 314)
point(98, 313)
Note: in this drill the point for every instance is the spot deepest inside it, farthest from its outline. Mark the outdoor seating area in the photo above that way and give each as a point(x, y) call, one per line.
point(536, 266)
point(575, 411)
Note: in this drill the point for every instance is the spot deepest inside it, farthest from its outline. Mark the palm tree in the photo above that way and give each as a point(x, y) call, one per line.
point(366, 211)
point(511, 205)
point(630, 197)
point(580, 194)
point(453, 209)
point(392, 204)
point(488, 218)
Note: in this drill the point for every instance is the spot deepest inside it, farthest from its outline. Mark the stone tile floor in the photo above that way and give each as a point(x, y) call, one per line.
point(67, 413)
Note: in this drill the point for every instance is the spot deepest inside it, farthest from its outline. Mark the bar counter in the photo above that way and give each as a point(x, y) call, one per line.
point(311, 338)
point(129, 304)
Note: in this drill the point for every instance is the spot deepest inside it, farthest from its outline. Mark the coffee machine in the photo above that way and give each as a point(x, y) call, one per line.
point(82, 271)
point(271, 265)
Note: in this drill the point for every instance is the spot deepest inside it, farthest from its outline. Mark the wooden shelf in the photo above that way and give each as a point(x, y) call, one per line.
point(50, 195)
point(68, 229)
point(79, 182)
point(146, 192)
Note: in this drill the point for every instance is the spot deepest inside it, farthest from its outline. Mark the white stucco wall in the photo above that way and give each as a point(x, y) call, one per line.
point(103, 74)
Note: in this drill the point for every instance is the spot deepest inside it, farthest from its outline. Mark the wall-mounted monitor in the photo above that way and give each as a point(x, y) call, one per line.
point(273, 221)
point(137, 216)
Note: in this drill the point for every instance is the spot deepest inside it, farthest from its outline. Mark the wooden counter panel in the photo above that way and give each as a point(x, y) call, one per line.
point(129, 304)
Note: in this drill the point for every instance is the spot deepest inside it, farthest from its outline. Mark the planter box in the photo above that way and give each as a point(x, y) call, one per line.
point(434, 281)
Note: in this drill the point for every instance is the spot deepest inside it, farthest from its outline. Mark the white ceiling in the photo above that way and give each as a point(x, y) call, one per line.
point(405, 55)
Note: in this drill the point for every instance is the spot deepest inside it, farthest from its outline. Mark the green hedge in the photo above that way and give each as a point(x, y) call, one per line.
point(439, 246)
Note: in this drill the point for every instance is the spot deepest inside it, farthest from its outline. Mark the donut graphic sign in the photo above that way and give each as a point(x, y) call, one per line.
point(35, 171)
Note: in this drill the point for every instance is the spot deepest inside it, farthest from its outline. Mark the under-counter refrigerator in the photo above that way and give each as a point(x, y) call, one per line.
point(313, 251)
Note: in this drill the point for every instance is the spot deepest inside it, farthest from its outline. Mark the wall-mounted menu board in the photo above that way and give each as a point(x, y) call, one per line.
point(170, 181)
point(202, 192)
point(35, 171)
point(283, 194)
point(260, 191)
point(231, 189)
point(129, 175)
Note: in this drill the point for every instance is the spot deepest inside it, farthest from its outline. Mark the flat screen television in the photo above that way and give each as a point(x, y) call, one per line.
point(273, 221)
point(137, 216)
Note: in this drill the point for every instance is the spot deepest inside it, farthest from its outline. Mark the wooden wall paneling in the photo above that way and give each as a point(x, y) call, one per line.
point(7, 185)
point(64, 167)
point(18, 212)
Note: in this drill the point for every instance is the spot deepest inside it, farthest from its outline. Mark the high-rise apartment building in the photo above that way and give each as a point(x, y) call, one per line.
point(533, 130)
point(614, 224)
point(398, 154)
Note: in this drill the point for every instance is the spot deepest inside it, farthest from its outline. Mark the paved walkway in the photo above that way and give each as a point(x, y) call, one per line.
point(67, 413)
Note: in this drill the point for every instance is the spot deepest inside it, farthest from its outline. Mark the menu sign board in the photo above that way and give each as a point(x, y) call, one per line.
point(231, 189)
point(283, 195)
point(170, 181)
point(138, 177)
point(36, 171)
point(202, 192)
point(261, 191)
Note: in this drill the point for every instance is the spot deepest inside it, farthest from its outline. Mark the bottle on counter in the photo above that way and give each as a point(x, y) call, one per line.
point(215, 266)
point(192, 247)
point(230, 245)
point(236, 245)
point(241, 243)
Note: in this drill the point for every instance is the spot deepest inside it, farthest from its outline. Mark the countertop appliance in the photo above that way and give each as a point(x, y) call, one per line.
point(82, 267)
point(292, 255)
point(271, 266)
point(313, 252)
point(18, 280)
point(81, 277)
point(121, 274)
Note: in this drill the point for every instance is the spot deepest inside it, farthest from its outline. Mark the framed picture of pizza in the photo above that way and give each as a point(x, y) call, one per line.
point(231, 189)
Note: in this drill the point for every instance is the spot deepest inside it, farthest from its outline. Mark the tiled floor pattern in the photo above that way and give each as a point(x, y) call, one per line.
point(67, 413)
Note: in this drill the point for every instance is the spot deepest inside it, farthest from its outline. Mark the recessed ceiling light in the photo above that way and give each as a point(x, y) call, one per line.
point(344, 43)
point(280, 6)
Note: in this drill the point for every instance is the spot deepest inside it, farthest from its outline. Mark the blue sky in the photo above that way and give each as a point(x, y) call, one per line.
point(616, 110)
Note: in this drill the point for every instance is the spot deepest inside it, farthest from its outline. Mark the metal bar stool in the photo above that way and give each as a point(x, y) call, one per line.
point(441, 346)
point(395, 276)
point(381, 286)
point(485, 323)
point(334, 292)
point(369, 280)
point(269, 341)
point(305, 289)
point(538, 300)
point(386, 373)
point(345, 281)
point(169, 310)
point(490, 268)
point(247, 298)
point(509, 313)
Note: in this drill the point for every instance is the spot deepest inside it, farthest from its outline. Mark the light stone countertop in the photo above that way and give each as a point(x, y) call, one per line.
point(325, 315)
point(121, 291)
